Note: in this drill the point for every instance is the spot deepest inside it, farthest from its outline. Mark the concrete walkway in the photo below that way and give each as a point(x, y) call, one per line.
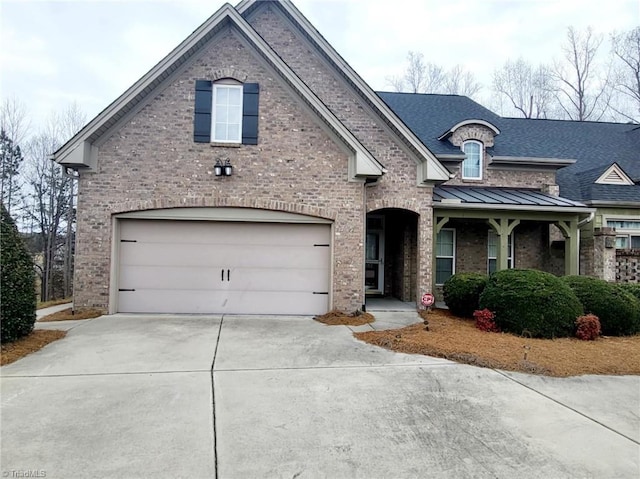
point(244, 397)
point(41, 313)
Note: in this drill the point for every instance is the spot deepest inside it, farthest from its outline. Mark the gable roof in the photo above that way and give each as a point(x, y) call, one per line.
point(79, 150)
point(433, 170)
point(585, 149)
point(76, 151)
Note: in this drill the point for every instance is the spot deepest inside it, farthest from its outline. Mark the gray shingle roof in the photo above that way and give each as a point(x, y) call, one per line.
point(595, 145)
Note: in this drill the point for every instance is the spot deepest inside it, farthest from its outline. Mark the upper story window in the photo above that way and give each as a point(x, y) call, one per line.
point(226, 124)
point(627, 232)
point(226, 111)
point(472, 164)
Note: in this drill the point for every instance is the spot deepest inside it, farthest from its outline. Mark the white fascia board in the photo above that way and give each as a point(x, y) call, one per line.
point(366, 164)
point(143, 83)
point(528, 160)
point(471, 121)
point(365, 161)
point(434, 171)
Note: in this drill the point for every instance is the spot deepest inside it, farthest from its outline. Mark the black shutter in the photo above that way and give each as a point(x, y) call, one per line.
point(250, 114)
point(202, 115)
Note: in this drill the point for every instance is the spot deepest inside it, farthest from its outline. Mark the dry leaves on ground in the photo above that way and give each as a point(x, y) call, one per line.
point(70, 315)
point(459, 340)
point(335, 318)
point(35, 341)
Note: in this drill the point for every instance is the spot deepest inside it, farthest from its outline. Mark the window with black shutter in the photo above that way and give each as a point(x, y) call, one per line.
point(226, 112)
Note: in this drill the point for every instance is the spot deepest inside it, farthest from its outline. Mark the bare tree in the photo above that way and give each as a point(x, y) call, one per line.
point(626, 51)
point(461, 82)
point(526, 88)
point(14, 125)
point(421, 77)
point(14, 120)
point(581, 87)
point(51, 192)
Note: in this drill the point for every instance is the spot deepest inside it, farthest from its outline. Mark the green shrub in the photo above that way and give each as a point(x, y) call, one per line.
point(531, 302)
point(462, 293)
point(633, 288)
point(18, 294)
point(617, 309)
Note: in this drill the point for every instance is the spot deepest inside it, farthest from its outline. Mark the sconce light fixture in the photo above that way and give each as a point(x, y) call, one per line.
point(223, 169)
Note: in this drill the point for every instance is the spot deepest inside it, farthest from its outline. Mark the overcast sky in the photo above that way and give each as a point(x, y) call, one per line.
point(55, 52)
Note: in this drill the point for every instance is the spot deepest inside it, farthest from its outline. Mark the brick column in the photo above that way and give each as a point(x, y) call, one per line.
point(604, 254)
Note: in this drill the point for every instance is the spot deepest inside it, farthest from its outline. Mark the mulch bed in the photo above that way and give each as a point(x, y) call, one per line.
point(459, 340)
point(69, 315)
point(35, 341)
point(339, 318)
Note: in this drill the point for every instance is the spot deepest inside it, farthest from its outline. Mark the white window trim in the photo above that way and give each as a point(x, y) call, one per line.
point(453, 257)
point(480, 144)
point(234, 86)
point(511, 256)
point(624, 232)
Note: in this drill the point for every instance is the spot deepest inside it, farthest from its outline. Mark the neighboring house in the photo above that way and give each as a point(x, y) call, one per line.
point(253, 171)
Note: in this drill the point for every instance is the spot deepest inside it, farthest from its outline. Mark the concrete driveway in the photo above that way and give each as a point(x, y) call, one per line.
point(134, 396)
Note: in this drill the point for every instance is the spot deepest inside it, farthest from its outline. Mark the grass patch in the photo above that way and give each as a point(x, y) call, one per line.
point(338, 318)
point(53, 302)
point(35, 341)
point(459, 340)
point(69, 315)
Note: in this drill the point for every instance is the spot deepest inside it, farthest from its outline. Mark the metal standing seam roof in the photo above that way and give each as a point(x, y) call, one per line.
point(501, 196)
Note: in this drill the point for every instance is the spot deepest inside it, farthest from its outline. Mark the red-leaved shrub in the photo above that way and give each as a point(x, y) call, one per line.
point(485, 321)
point(588, 327)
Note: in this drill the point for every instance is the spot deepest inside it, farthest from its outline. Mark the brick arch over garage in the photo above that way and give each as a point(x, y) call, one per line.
point(199, 202)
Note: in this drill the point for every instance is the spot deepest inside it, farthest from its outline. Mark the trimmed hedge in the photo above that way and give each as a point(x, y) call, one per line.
point(617, 309)
point(18, 304)
point(633, 288)
point(462, 293)
point(531, 302)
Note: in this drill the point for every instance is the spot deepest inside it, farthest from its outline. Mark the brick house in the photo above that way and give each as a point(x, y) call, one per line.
point(594, 163)
point(253, 171)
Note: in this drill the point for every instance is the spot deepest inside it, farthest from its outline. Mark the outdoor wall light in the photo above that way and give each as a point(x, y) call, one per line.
point(221, 169)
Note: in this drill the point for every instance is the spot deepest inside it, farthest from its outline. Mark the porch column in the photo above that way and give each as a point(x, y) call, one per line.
point(503, 228)
point(571, 246)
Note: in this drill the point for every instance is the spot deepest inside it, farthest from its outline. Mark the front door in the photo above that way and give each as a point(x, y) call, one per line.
point(374, 260)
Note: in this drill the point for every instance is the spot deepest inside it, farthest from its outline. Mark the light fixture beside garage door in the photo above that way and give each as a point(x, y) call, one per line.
point(223, 169)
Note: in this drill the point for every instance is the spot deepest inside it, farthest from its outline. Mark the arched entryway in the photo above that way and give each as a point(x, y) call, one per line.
point(391, 254)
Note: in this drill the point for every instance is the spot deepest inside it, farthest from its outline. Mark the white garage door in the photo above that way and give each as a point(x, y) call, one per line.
point(223, 267)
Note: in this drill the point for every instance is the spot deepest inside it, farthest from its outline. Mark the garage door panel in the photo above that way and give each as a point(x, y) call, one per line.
point(171, 254)
point(172, 301)
point(169, 277)
point(192, 232)
point(274, 280)
point(178, 266)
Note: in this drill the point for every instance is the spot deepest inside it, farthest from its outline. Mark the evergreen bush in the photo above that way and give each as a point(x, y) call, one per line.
point(17, 283)
point(462, 293)
point(617, 309)
point(531, 302)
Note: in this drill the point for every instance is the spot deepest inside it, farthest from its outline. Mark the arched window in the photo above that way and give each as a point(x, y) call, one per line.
point(472, 164)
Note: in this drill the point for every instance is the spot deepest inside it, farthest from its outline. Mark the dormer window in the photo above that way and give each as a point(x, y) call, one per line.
point(472, 164)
